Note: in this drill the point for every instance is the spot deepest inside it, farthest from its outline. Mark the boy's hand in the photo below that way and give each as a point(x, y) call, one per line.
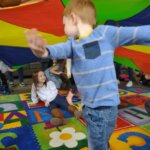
point(37, 43)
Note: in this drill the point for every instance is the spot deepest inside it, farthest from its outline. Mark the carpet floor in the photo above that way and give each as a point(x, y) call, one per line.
point(28, 127)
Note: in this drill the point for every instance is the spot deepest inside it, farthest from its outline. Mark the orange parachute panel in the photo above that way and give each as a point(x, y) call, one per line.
point(46, 16)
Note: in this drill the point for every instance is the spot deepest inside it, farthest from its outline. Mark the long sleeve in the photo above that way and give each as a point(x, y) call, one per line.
point(60, 51)
point(123, 36)
point(47, 74)
point(3, 67)
point(34, 97)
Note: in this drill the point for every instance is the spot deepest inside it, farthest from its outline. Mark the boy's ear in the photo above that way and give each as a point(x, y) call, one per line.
point(74, 18)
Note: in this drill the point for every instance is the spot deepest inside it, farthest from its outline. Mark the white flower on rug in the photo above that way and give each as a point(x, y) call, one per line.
point(67, 136)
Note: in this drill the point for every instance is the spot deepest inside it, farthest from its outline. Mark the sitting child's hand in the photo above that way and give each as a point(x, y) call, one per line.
point(59, 73)
point(46, 103)
point(31, 104)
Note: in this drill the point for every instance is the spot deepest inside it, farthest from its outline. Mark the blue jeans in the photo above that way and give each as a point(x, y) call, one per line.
point(58, 102)
point(131, 74)
point(100, 124)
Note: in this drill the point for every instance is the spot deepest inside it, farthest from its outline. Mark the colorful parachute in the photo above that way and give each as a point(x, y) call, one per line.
point(46, 16)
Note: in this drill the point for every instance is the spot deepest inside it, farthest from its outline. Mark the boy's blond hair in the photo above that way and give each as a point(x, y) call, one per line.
point(85, 9)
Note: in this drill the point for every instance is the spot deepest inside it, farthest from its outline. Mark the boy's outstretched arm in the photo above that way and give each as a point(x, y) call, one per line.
point(37, 43)
point(123, 36)
point(39, 48)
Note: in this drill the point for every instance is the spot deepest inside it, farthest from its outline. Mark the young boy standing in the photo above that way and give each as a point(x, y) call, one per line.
point(92, 53)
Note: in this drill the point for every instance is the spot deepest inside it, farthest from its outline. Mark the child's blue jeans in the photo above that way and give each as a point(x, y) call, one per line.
point(100, 123)
point(58, 102)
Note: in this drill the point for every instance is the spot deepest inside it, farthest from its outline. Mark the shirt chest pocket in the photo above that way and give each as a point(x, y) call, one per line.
point(92, 50)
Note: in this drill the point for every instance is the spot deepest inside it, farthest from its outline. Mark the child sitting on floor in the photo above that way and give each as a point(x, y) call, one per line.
point(47, 92)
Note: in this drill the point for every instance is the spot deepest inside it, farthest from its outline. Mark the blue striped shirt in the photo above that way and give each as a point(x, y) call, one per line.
point(92, 61)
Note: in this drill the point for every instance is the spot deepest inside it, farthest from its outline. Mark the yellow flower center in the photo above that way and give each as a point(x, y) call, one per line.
point(65, 136)
point(85, 148)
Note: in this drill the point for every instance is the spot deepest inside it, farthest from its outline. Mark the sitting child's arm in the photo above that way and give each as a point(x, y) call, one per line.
point(3, 67)
point(34, 96)
point(54, 70)
point(68, 67)
point(69, 97)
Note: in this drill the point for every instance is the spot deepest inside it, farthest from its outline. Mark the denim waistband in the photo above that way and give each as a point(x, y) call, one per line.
point(104, 107)
point(101, 107)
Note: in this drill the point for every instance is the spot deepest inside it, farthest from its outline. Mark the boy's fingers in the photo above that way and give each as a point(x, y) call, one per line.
point(27, 32)
point(36, 42)
point(34, 30)
point(39, 41)
point(29, 36)
point(30, 33)
point(45, 42)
